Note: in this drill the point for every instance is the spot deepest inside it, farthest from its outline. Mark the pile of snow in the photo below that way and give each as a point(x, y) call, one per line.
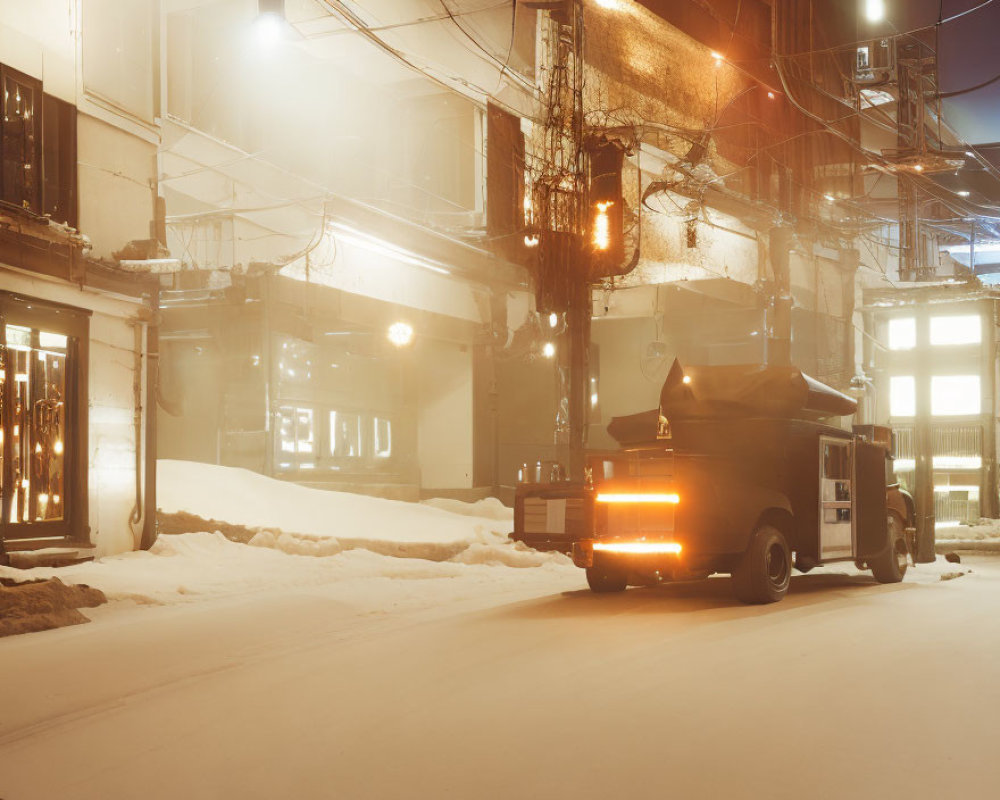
point(986, 530)
point(241, 497)
point(487, 508)
point(196, 566)
point(305, 538)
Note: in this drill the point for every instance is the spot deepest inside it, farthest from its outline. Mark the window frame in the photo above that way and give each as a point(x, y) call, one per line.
point(55, 118)
point(34, 203)
point(75, 324)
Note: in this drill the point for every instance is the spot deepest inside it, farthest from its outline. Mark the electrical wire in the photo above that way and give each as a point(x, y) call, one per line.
point(977, 87)
point(409, 23)
point(492, 56)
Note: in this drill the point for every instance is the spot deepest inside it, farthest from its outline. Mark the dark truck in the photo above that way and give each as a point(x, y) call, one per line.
point(736, 472)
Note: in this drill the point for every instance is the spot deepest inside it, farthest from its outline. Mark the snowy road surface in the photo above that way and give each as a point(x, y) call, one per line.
point(517, 685)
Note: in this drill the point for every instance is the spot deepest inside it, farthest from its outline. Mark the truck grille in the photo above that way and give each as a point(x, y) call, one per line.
point(554, 515)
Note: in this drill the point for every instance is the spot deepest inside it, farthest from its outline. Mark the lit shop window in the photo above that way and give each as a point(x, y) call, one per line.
point(383, 437)
point(296, 436)
point(902, 396)
point(956, 330)
point(954, 395)
point(902, 333)
point(957, 462)
point(345, 435)
point(33, 422)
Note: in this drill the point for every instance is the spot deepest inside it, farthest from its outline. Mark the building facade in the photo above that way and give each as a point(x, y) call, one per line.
point(935, 381)
point(77, 332)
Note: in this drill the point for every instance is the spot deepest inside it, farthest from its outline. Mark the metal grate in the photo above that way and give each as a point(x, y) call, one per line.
point(958, 440)
point(554, 515)
point(905, 443)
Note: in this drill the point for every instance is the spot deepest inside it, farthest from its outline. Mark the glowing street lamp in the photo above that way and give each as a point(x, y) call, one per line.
point(400, 334)
point(270, 26)
point(874, 10)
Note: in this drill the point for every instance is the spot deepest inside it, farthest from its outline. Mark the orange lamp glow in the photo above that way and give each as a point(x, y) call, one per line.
point(602, 226)
point(638, 548)
point(674, 499)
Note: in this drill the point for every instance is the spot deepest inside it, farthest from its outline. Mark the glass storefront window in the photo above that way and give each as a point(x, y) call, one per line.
point(383, 438)
point(956, 497)
point(345, 435)
point(296, 437)
point(33, 423)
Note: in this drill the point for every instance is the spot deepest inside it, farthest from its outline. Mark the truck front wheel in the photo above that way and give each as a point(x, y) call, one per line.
point(889, 566)
point(604, 579)
point(765, 571)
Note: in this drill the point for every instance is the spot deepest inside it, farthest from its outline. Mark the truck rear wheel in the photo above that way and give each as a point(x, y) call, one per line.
point(764, 573)
point(604, 579)
point(889, 566)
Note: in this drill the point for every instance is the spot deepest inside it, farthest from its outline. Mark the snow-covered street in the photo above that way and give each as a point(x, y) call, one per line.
point(224, 670)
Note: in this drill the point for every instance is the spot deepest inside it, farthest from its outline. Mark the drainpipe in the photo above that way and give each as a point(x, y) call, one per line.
point(137, 519)
point(152, 382)
point(778, 347)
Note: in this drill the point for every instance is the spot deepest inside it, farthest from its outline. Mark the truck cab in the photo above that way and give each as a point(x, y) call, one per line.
point(738, 471)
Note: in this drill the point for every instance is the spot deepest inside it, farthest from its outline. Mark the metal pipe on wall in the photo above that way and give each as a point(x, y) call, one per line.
point(137, 519)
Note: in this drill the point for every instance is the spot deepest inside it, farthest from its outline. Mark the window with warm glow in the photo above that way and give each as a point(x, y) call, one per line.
point(345, 435)
point(955, 395)
point(296, 438)
point(383, 437)
point(902, 333)
point(33, 368)
point(965, 329)
point(902, 396)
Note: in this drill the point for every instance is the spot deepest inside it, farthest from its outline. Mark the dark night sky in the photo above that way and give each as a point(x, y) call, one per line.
point(968, 54)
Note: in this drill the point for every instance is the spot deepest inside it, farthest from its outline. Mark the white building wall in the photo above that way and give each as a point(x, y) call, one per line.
point(444, 430)
point(116, 177)
point(98, 55)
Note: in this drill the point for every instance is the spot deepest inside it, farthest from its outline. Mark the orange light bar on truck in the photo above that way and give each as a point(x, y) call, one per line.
point(638, 548)
point(673, 499)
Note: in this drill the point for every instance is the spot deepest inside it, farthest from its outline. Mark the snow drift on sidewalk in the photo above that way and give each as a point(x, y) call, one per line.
point(241, 497)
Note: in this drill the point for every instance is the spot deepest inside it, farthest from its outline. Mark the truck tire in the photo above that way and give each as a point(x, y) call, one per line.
point(765, 571)
point(603, 579)
point(889, 566)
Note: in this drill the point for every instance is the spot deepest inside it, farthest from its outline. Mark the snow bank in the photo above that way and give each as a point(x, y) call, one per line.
point(986, 530)
point(304, 538)
point(487, 508)
point(242, 497)
point(194, 566)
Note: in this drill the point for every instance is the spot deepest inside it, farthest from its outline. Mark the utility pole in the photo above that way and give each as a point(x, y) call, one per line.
point(575, 216)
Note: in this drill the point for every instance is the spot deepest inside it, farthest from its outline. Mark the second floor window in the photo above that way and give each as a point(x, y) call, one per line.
point(37, 148)
point(21, 140)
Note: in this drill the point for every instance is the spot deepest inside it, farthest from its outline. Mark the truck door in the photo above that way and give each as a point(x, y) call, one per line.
point(836, 493)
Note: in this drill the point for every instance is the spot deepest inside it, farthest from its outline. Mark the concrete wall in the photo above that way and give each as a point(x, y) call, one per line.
point(116, 179)
point(444, 428)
